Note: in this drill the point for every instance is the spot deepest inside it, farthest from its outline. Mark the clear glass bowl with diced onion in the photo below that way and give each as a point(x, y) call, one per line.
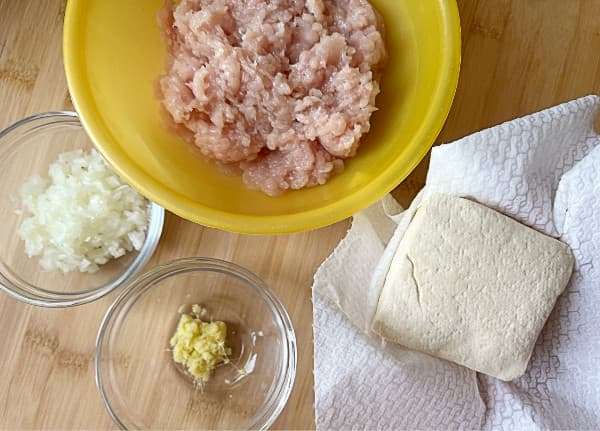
point(72, 230)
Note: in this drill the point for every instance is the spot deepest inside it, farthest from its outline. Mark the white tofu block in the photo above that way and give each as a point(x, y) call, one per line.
point(472, 286)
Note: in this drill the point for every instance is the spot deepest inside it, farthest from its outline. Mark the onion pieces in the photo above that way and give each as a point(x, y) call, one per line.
point(82, 216)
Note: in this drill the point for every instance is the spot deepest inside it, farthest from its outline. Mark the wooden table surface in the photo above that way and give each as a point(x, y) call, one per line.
point(518, 56)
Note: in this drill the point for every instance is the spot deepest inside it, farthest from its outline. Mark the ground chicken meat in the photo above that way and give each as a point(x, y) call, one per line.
point(284, 89)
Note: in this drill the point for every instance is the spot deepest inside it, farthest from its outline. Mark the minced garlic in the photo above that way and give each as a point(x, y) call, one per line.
point(200, 346)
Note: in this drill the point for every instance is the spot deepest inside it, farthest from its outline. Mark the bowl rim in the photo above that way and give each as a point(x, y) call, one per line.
point(341, 209)
point(145, 282)
point(21, 290)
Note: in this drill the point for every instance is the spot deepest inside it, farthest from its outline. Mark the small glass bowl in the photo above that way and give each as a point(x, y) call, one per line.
point(27, 148)
point(143, 388)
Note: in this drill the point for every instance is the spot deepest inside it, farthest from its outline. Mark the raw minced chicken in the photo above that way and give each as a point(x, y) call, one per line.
point(82, 216)
point(284, 89)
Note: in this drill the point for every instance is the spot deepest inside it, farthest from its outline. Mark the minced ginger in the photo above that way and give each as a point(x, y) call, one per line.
point(200, 346)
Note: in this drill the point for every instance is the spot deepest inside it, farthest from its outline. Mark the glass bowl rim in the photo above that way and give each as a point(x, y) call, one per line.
point(273, 407)
point(23, 291)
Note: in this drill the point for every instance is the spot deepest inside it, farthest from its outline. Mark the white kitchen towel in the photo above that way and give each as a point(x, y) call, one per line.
point(542, 170)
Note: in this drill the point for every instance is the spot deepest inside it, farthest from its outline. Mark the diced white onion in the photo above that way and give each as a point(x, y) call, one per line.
point(82, 216)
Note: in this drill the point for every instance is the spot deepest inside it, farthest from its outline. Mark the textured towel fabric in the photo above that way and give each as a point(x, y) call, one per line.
point(541, 170)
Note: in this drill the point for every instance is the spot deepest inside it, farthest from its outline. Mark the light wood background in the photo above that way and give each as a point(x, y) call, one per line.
point(518, 56)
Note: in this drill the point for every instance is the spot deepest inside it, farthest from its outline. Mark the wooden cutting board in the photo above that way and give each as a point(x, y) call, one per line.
point(518, 57)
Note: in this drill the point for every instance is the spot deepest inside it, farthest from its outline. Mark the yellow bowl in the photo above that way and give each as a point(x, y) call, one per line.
point(114, 55)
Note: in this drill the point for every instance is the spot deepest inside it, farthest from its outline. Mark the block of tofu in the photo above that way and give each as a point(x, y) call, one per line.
point(472, 286)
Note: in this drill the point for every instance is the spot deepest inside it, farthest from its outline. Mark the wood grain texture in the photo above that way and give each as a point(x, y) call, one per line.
point(518, 57)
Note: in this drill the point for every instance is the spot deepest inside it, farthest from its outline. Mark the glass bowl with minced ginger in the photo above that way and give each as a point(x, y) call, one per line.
point(197, 343)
